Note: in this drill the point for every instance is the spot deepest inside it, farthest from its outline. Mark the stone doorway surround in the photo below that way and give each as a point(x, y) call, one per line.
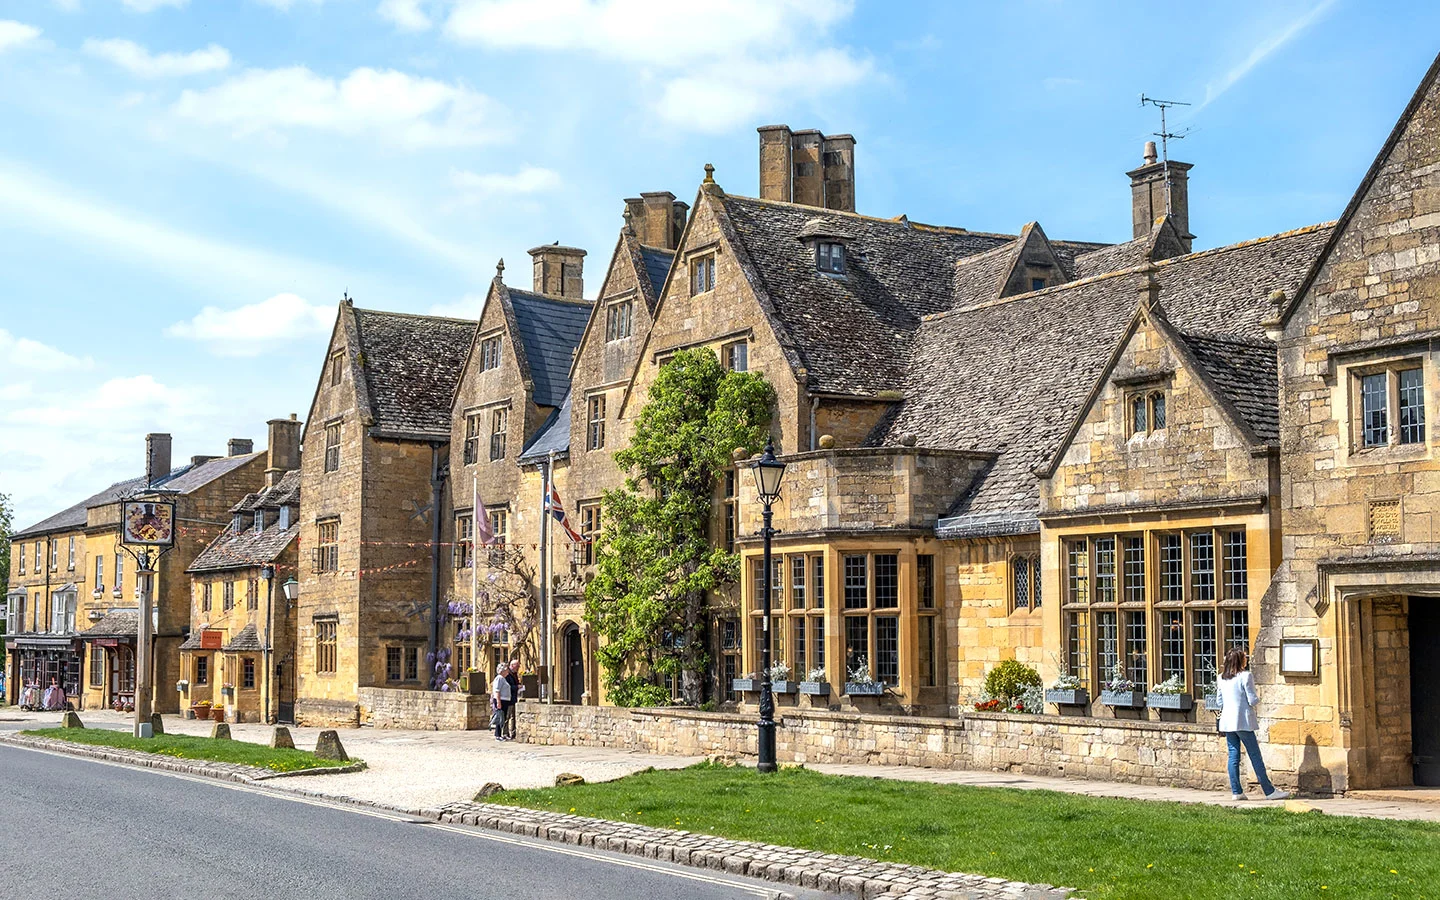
point(1369, 599)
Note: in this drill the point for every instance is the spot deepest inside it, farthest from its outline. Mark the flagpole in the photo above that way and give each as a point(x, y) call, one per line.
point(549, 629)
point(544, 565)
point(474, 575)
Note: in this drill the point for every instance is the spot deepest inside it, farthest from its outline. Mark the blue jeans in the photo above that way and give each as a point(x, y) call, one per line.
point(1252, 747)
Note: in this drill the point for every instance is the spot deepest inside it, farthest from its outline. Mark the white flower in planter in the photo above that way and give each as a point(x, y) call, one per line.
point(780, 671)
point(816, 674)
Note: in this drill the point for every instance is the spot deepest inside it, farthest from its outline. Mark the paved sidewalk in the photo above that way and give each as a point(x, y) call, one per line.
point(407, 769)
point(1414, 803)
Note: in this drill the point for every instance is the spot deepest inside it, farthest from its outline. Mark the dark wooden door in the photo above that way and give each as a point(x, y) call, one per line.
point(1425, 689)
point(574, 666)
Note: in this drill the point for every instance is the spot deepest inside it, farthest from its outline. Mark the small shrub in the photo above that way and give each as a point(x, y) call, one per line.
point(1009, 680)
point(638, 691)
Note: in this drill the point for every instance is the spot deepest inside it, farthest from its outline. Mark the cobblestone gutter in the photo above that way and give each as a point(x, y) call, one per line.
point(851, 876)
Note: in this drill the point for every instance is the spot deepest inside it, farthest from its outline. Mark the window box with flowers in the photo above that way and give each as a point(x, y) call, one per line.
point(182, 686)
point(815, 684)
point(780, 682)
point(1120, 692)
point(749, 684)
point(1170, 694)
point(227, 690)
point(1067, 691)
point(863, 684)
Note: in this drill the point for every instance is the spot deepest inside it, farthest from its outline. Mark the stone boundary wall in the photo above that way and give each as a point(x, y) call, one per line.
point(1174, 754)
point(423, 710)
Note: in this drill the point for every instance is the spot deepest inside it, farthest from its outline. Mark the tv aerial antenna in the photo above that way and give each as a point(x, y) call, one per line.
point(1166, 136)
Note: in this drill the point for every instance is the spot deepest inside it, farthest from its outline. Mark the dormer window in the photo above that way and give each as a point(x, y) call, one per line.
point(259, 520)
point(702, 274)
point(284, 517)
point(238, 524)
point(830, 257)
point(490, 353)
point(1147, 412)
point(1037, 284)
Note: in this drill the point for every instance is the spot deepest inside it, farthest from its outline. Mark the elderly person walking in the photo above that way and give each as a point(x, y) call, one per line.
point(512, 675)
point(1237, 723)
point(501, 696)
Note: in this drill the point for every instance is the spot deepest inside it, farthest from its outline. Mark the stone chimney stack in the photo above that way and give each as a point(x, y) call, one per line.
point(559, 271)
point(157, 457)
point(657, 219)
point(284, 450)
point(807, 167)
point(239, 447)
point(1147, 195)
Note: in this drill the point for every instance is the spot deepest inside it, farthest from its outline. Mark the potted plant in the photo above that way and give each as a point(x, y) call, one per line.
point(1120, 691)
point(1169, 694)
point(749, 683)
point(1067, 690)
point(815, 684)
point(1211, 688)
point(780, 682)
point(182, 686)
point(860, 683)
point(227, 690)
point(217, 713)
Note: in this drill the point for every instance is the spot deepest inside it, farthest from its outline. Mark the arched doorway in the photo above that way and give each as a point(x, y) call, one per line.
point(574, 665)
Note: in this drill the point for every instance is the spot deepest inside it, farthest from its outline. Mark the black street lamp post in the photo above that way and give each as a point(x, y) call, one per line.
point(768, 472)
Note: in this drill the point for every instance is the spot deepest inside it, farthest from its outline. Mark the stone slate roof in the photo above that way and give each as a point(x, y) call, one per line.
point(411, 364)
point(1010, 376)
point(657, 265)
point(245, 641)
point(244, 547)
point(192, 642)
point(553, 436)
point(184, 479)
point(114, 624)
point(1246, 374)
point(978, 277)
point(550, 330)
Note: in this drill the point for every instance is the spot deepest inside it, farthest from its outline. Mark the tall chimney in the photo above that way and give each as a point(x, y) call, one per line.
point(1147, 195)
point(807, 167)
point(657, 218)
point(239, 447)
point(157, 457)
point(284, 450)
point(559, 271)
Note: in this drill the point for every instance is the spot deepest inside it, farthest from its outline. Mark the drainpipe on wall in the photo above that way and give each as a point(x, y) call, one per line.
point(437, 485)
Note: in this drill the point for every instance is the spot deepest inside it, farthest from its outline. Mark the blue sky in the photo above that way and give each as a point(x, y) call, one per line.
point(187, 188)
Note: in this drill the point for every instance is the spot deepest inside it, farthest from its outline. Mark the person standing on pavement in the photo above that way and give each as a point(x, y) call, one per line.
point(501, 693)
point(1237, 722)
point(513, 677)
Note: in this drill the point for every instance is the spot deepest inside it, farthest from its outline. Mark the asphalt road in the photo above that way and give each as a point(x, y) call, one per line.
point(76, 828)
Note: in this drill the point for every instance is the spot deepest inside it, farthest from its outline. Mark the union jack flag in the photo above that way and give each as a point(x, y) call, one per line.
point(556, 508)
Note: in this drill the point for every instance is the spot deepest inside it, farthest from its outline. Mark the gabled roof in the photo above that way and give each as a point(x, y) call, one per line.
point(244, 641)
point(285, 492)
point(1163, 242)
point(410, 365)
point(549, 329)
point(183, 480)
point(1427, 84)
point(243, 547)
point(116, 623)
point(552, 437)
point(657, 264)
point(1010, 376)
point(1246, 374)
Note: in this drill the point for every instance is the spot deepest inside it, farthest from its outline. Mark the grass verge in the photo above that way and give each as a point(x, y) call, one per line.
point(184, 746)
point(1106, 847)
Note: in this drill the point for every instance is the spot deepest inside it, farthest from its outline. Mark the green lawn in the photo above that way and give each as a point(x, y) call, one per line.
point(1106, 847)
point(189, 747)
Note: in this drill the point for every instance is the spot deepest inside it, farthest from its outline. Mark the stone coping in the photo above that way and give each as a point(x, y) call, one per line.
point(858, 718)
point(205, 767)
point(1096, 722)
point(851, 876)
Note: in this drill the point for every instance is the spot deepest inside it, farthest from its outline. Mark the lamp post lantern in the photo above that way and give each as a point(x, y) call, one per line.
point(768, 472)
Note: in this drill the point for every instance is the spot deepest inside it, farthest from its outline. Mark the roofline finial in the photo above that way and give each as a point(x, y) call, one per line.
point(500, 270)
point(709, 174)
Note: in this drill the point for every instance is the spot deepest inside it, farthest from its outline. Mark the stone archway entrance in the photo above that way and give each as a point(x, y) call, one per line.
point(574, 665)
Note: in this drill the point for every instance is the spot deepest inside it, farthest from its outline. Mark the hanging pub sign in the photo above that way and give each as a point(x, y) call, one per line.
point(148, 522)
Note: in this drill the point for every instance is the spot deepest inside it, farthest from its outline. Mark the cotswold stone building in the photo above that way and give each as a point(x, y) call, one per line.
point(1112, 461)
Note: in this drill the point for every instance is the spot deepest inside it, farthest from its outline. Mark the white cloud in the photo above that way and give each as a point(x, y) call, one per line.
point(14, 34)
point(406, 15)
point(467, 307)
point(26, 355)
point(66, 5)
point(285, 5)
point(721, 62)
point(137, 60)
point(256, 328)
point(406, 110)
point(529, 180)
point(128, 236)
point(718, 97)
point(1261, 52)
point(145, 6)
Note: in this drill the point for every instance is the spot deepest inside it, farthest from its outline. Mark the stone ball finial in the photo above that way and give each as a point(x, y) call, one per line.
point(908, 439)
point(500, 269)
point(1277, 297)
point(709, 174)
point(739, 454)
point(827, 442)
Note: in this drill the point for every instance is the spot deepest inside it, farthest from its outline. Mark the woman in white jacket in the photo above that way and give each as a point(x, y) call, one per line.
point(1237, 723)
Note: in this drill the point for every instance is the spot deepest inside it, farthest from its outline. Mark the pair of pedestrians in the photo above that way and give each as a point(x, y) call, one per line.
point(504, 693)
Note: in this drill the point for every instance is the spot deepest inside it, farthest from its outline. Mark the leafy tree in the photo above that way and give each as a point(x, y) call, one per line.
point(508, 611)
point(655, 565)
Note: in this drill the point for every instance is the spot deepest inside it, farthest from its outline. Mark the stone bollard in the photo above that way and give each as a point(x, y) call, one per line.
point(280, 739)
point(157, 724)
point(489, 788)
point(71, 720)
point(220, 731)
point(328, 746)
point(568, 779)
